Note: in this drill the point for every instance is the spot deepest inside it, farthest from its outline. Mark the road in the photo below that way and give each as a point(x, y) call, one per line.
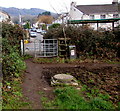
point(30, 48)
point(38, 48)
point(39, 37)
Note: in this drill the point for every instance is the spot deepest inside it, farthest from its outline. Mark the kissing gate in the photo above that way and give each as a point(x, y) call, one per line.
point(42, 48)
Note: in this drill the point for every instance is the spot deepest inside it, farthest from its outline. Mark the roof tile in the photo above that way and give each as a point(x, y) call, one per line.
point(92, 9)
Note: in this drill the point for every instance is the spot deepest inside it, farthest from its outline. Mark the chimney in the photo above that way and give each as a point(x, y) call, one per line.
point(73, 4)
point(115, 2)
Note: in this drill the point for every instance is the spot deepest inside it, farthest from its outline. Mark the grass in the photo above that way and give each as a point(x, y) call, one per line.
point(45, 101)
point(71, 98)
point(49, 60)
point(80, 60)
point(27, 56)
point(12, 96)
point(59, 60)
point(112, 61)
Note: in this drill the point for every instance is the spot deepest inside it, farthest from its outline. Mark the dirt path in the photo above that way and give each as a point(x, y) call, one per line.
point(37, 78)
point(34, 83)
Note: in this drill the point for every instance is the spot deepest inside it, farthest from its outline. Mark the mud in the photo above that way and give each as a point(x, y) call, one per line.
point(37, 79)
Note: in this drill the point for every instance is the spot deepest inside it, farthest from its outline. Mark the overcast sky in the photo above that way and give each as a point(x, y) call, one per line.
point(50, 5)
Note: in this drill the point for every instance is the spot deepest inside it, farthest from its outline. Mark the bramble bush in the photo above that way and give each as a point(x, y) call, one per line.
point(12, 63)
point(12, 66)
point(89, 42)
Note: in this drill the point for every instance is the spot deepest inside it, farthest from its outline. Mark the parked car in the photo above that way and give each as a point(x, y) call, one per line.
point(33, 29)
point(43, 32)
point(33, 34)
point(39, 30)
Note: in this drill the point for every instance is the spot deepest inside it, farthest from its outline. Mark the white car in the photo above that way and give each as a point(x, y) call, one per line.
point(43, 32)
point(39, 30)
point(33, 34)
point(33, 29)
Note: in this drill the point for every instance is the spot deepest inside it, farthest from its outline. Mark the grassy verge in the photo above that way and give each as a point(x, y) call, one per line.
point(75, 61)
point(11, 90)
point(49, 60)
point(114, 61)
point(27, 56)
point(72, 98)
point(12, 95)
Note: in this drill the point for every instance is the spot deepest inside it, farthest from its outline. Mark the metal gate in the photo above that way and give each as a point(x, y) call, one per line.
point(42, 48)
point(46, 48)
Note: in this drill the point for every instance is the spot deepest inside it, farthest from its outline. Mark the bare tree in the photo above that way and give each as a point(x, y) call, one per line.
point(45, 19)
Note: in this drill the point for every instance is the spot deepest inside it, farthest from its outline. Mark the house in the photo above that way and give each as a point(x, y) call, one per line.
point(96, 12)
point(4, 17)
point(62, 18)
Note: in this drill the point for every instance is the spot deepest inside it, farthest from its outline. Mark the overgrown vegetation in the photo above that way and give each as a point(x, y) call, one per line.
point(12, 66)
point(12, 63)
point(89, 42)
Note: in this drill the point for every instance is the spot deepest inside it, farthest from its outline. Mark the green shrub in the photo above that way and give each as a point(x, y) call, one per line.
point(13, 35)
point(55, 25)
point(12, 63)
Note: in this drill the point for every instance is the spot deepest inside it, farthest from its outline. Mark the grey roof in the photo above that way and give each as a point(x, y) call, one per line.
point(92, 9)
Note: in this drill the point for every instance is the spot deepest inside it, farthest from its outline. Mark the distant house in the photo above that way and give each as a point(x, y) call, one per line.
point(4, 17)
point(62, 18)
point(93, 12)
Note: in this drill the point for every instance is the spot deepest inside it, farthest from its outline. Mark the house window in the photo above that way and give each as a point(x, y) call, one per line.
point(92, 16)
point(115, 15)
point(102, 16)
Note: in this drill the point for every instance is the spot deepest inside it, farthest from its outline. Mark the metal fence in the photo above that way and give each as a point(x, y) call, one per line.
point(44, 48)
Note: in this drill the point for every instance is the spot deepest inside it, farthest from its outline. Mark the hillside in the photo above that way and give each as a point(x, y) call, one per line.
point(12, 11)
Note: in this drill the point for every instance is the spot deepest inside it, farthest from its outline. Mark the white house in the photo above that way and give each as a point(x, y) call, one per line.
point(4, 17)
point(62, 18)
point(94, 12)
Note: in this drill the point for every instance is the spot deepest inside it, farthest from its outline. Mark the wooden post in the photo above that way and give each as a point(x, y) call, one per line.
point(97, 25)
point(113, 26)
point(22, 47)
